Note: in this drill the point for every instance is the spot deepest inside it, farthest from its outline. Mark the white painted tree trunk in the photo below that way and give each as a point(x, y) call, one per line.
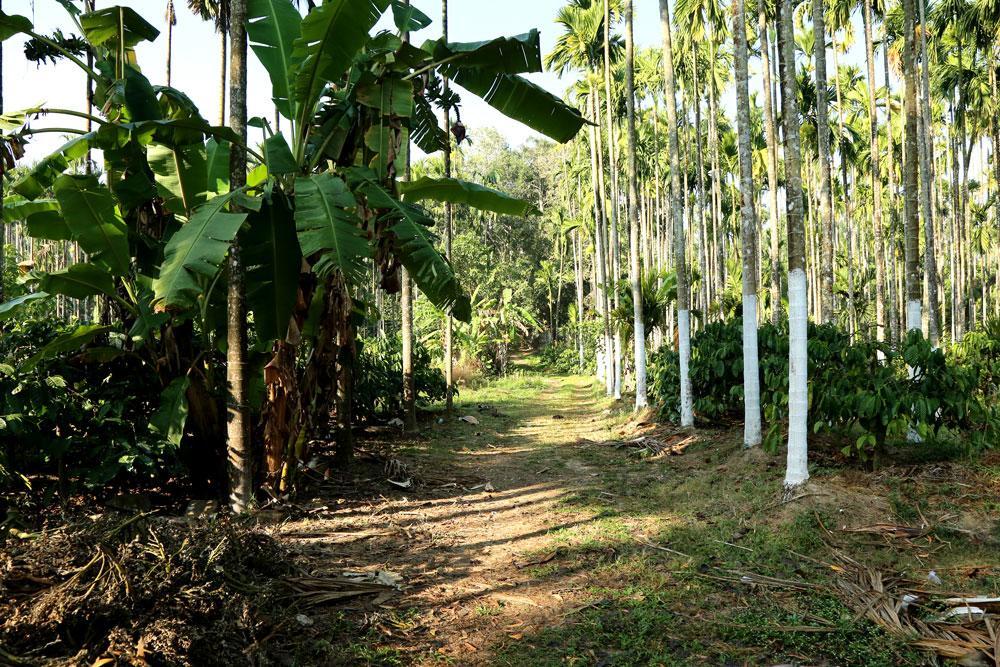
point(684, 348)
point(797, 471)
point(751, 373)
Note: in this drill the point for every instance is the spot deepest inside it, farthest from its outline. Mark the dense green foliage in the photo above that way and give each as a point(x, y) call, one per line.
point(861, 389)
point(378, 389)
point(70, 416)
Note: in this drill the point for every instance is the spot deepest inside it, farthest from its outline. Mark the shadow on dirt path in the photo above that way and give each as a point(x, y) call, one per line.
point(495, 496)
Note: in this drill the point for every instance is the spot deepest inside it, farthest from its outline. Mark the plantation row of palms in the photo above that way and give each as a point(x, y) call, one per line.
point(882, 223)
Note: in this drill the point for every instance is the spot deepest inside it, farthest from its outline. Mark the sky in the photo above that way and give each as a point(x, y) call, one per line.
point(196, 62)
point(195, 68)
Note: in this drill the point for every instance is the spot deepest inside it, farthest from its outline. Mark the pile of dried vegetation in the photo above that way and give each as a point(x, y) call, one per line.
point(148, 590)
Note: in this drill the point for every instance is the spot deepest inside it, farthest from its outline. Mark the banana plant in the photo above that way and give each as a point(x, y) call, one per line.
point(354, 102)
point(155, 228)
point(321, 208)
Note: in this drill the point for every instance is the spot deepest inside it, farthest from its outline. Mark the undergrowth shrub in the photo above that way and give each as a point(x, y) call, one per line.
point(81, 416)
point(870, 391)
point(378, 384)
point(563, 357)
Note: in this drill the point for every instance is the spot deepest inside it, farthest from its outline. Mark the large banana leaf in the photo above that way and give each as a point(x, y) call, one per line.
point(429, 269)
point(195, 252)
point(170, 418)
point(79, 281)
point(332, 34)
point(414, 247)
point(522, 100)
point(67, 342)
point(278, 156)
point(42, 218)
point(12, 24)
point(463, 192)
point(9, 309)
point(217, 166)
point(408, 18)
point(503, 55)
point(328, 227)
point(182, 175)
point(121, 24)
point(41, 177)
point(89, 210)
point(273, 261)
point(272, 28)
point(392, 97)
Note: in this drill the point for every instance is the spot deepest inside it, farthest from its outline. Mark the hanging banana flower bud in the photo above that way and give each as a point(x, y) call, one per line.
point(458, 129)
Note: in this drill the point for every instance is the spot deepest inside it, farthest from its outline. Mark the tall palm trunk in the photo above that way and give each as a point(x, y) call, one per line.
point(876, 178)
point(406, 325)
point(613, 199)
point(823, 153)
point(639, 331)
point(449, 363)
point(891, 197)
point(578, 273)
point(171, 22)
point(680, 265)
point(848, 223)
point(772, 165)
point(238, 429)
point(604, 370)
point(610, 282)
point(713, 150)
point(911, 225)
point(797, 471)
point(224, 61)
point(751, 364)
point(703, 254)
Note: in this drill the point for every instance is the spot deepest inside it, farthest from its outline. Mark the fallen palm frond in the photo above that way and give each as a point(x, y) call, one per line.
point(649, 446)
point(904, 609)
point(317, 591)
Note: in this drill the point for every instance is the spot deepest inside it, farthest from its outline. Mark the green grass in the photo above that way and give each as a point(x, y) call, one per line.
point(722, 508)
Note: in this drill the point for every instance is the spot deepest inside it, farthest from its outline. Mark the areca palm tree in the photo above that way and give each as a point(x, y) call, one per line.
point(748, 215)
point(238, 425)
point(770, 128)
point(580, 47)
point(823, 155)
point(797, 471)
point(638, 331)
point(449, 359)
point(676, 212)
point(171, 19)
point(876, 179)
point(911, 224)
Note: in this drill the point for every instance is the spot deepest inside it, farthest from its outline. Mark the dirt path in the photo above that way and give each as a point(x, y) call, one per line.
point(494, 503)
